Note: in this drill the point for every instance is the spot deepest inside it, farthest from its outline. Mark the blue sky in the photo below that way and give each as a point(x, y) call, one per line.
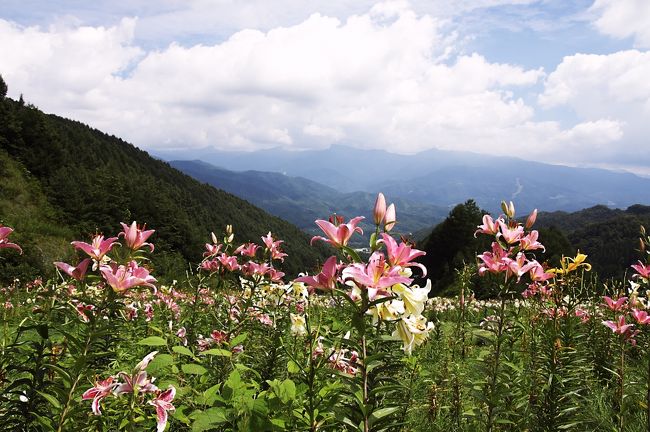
point(550, 80)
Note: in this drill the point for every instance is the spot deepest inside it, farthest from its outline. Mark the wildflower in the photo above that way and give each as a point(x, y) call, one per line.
point(212, 249)
point(274, 247)
point(493, 262)
point(379, 212)
point(619, 327)
point(642, 270)
point(374, 276)
point(338, 236)
point(402, 255)
point(641, 316)
point(123, 278)
point(413, 297)
point(530, 242)
point(510, 234)
point(531, 219)
point(99, 392)
point(135, 237)
point(98, 248)
point(390, 218)
point(488, 227)
point(78, 272)
point(162, 402)
point(4, 242)
point(247, 249)
point(615, 305)
point(298, 325)
point(412, 331)
point(325, 280)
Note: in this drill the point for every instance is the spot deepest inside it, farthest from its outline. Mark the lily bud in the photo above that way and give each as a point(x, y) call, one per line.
point(214, 238)
point(380, 209)
point(531, 219)
point(642, 230)
point(389, 219)
point(641, 245)
point(511, 210)
point(504, 208)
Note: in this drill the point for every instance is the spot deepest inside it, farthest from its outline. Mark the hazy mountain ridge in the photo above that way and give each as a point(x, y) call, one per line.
point(445, 178)
point(301, 201)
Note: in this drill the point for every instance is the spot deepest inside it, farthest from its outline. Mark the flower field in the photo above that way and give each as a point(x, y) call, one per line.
point(354, 345)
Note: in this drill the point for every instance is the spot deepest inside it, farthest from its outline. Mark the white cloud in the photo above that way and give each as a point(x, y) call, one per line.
point(385, 78)
point(623, 19)
point(611, 91)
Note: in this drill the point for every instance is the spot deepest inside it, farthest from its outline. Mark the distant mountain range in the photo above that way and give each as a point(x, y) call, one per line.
point(301, 201)
point(440, 178)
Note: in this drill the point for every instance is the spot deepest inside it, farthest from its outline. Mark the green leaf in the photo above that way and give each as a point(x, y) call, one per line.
point(159, 362)
point(238, 339)
point(381, 413)
point(153, 341)
point(193, 369)
point(51, 399)
point(183, 351)
point(208, 419)
point(217, 352)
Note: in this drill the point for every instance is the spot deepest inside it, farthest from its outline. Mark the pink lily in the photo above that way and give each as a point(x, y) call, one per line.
point(136, 383)
point(123, 278)
point(275, 275)
point(642, 270)
point(274, 247)
point(326, 279)
point(488, 227)
point(641, 316)
point(374, 275)
point(619, 327)
point(78, 272)
point(537, 274)
point(162, 402)
point(248, 249)
point(4, 242)
point(530, 242)
point(510, 235)
point(402, 255)
point(98, 248)
point(390, 219)
point(493, 262)
point(135, 237)
point(99, 392)
point(338, 236)
point(228, 262)
point(615, 305)
point(212, 249)
point(519, 266)
point(379, 212)
point(252, 268)
point(532, 217)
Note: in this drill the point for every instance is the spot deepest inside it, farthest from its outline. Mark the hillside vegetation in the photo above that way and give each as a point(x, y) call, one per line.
point(63, 180)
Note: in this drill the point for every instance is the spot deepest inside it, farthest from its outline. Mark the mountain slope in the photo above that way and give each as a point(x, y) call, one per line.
point(94, 181)
point(301, 201)
point(445, 178)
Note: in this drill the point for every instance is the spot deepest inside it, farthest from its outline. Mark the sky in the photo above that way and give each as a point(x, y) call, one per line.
point(555, 81)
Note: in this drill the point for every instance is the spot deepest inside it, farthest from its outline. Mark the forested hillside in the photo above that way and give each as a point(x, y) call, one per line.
point(62, 180)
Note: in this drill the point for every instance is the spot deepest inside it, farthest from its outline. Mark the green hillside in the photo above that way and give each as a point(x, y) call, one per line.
point(63, 180)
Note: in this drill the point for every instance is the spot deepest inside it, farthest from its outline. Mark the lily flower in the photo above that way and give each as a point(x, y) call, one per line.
point(298, 325)
point(493, 262)
point(123, 278)
point(379, 212)
point(228, 262)
point(412, 331)
point(413, 297)
point(389, 219)
point(619, 327)
point(4, 241)
point(99, 392)
point(615, 305)
point(642, 270)
point(537, 274)
point(326, 279)
point(338, 236)
point(78, 272)
point(530, 242)
point(489, 226)
point(532, 217)
point(519, 266)
point(98, 248)
point(135, 237)
point(375, 276)
point(641, 316)
point(212, 249)
point(508, 234)
point(247, 249)
point(402, 255)
point(163, 403)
